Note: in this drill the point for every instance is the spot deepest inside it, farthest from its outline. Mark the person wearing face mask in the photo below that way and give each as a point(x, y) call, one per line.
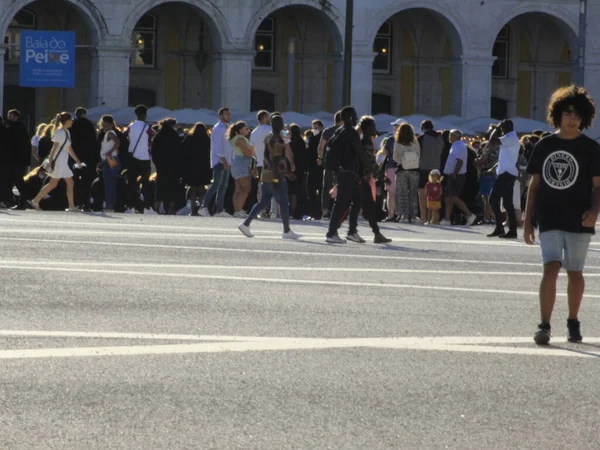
point(314, 181)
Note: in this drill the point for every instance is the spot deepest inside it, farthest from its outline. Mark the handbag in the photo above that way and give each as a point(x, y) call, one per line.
point(48, 164)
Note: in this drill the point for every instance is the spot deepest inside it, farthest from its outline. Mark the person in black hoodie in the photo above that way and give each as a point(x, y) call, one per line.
point(166, 155)
point(19, 147)
point(197, 173)
point(85, 146)
point(314, 182)
point(298, 199)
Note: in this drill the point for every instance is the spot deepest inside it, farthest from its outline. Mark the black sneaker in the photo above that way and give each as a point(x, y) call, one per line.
point(574, 332)
point(543, 334)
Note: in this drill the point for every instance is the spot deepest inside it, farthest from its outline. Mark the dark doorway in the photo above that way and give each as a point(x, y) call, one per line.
point(262, 100)
point(141, 96)
point(499, 109)
point(23, 99)
point(381, 104)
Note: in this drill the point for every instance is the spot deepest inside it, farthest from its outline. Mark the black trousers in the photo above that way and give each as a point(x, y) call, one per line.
point(348, 198)
point(369, 206)
point(135, 169)
point(328, 183)
point(503, 190)
point(314, 184)
point(16, 172)
point(84, 178)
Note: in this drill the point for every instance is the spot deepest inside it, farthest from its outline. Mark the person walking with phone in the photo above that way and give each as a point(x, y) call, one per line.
point(59, 162)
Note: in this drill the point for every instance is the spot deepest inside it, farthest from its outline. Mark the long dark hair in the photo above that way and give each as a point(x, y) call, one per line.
point(199, 130)
point(63, 118)
point(295, 132)
point(235, 129)
point(277, 124)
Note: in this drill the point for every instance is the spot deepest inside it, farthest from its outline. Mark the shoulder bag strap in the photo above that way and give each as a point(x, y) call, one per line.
point(61, 147)
point(138, 141)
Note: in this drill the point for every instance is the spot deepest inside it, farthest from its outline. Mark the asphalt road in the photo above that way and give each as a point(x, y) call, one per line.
point(147, 332)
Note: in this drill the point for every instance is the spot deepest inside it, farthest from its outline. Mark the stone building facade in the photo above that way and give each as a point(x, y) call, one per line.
point(470, 58)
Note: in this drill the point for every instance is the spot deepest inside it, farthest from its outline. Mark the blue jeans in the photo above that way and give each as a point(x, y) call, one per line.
point(110, 183)
point(218, 188)
point(280, 194)
point(569, 249)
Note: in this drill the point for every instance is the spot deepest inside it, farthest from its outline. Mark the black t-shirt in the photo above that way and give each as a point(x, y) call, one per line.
point(351, 149)
point(566, 168)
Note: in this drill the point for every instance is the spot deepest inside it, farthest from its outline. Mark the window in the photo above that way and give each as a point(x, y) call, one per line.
point(141, 96)
point(262, 100)
point(144, 42)
point(499, 109)
point(501, 52)
point(23, 20)
point(264, 45)
point(383, 47)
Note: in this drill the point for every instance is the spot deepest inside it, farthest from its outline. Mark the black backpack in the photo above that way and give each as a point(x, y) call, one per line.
point(334, 150)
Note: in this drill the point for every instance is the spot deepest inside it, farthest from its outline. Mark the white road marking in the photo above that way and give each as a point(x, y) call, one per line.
point(279, 252)
point(278, 280)
point(227, 344)
point(238, 236)
point(274, 268)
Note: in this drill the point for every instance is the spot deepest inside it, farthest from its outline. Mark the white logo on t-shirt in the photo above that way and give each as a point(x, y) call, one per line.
point(560, 170)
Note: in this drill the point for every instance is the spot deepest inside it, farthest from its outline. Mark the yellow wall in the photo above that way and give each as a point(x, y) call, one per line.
point(446, 76)
point(524, 93)
point(407, 91)
point(51, 102)
point(564, 79)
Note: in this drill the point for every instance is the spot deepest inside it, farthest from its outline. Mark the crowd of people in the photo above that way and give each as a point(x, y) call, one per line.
point(165, 169)
point(334, 173)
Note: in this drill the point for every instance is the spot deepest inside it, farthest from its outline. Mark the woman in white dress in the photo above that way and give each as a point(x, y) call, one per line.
point(61, 150)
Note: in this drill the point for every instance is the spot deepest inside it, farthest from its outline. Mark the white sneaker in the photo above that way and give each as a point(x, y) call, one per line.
point(185, 211)
point(150, 212)
point(223, 214)
point(129, 211)
point(355, 237)
point(471, 220)
point(335, 239)
point(72, 210)
point(291, 235)
point(446, 223)
point(239, 215)
point(204, 212)
point(245, 230)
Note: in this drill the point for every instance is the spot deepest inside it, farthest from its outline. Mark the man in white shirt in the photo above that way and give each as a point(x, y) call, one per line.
point(221, 155)
point(257, 139)
point(140, 136)
point(507, 172)
point(456, 171)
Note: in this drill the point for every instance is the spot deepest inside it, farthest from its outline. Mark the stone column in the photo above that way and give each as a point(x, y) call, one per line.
point(233, 80)
point(110, 77)
point(2, 53)
point(472, 86)
point(362, 80)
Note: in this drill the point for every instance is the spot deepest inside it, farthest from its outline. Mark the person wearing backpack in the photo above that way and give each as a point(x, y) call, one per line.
point(407, 154)
point(139, 135)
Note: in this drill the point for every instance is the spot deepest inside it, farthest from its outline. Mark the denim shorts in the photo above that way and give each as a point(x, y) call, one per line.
point(240, 167)
point(569, 249)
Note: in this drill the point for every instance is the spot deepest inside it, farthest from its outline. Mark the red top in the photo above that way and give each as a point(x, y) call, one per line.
point(434, 191)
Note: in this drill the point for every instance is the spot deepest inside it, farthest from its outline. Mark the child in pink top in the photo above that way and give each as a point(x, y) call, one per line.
point(434, 197)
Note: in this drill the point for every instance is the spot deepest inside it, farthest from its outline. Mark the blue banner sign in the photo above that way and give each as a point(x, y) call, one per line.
point(47, 59)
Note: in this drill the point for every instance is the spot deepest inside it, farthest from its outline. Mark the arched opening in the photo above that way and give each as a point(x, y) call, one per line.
point(298, 59)
point(535, 54)
point(172, 48)
point(415, 50)
point(40, 104)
